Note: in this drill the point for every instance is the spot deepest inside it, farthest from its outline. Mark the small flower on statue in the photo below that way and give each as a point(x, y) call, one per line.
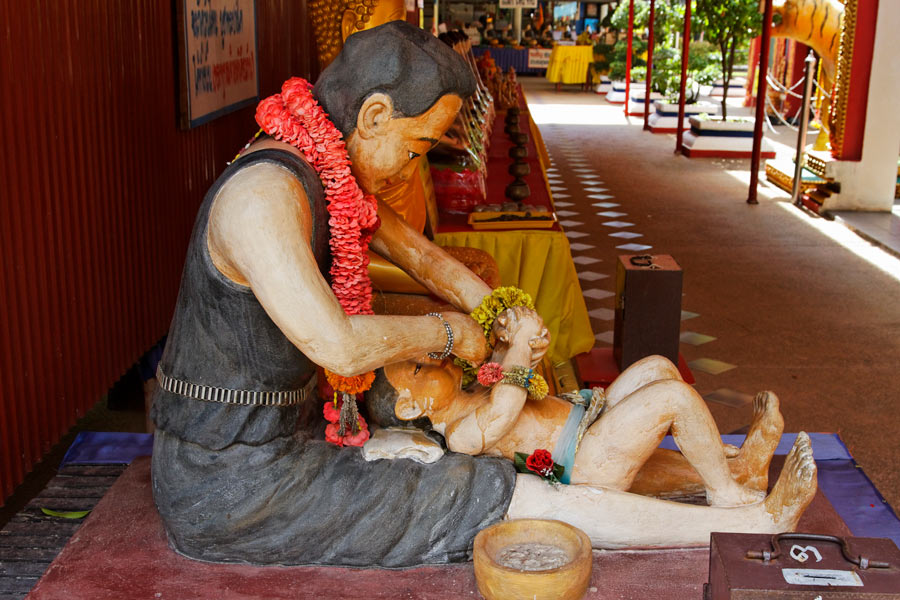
point(541, 462)
point(332, 410)
point(332, 434)
point(490, 374)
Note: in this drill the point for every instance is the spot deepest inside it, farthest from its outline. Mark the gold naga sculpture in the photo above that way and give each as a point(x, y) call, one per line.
point(818, 24)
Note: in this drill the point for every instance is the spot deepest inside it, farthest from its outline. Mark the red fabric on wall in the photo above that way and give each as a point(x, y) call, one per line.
point(100, 189)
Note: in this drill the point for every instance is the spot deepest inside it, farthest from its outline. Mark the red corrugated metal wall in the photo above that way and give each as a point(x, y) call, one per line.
point(99, 191)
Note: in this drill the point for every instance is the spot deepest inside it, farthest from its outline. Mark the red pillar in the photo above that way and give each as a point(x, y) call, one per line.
point(685, 50)
point(851, 143)
point(628, 57)
point(649, 66)
point(760, 100)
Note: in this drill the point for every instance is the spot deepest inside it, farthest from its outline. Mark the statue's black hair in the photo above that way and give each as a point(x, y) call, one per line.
point(381, 399)
point(410, 65)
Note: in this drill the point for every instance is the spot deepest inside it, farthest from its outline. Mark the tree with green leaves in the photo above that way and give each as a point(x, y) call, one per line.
point(729, 25)
point(668, 14)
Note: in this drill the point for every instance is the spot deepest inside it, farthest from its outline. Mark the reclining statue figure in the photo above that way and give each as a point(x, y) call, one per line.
point(234, 479)
point(644, 403)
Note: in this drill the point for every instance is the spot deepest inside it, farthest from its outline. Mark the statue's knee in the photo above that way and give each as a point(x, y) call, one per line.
point(675, 394)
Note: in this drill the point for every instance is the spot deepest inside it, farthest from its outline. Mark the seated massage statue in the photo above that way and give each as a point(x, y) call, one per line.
point(234, 478)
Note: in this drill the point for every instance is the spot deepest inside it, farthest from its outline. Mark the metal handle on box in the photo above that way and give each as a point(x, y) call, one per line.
point(861, 561)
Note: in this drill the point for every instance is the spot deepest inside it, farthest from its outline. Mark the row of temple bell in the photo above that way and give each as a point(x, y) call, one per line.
point(518, 190)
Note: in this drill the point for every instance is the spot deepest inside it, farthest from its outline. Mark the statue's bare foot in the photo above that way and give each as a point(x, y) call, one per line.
point(738, 495)
point(750, 467)
point(795, 488)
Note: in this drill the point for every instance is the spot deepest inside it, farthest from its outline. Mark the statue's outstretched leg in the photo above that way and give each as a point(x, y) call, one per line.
point(616, 446)
point(616, 519)
point(668, 474)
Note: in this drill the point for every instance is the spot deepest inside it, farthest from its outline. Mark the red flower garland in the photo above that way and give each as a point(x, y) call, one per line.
point(294, 116)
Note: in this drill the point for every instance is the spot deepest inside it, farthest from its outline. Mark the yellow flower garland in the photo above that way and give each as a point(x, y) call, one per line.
point(498, 301)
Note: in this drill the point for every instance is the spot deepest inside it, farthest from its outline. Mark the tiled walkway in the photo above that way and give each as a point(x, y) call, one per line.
point(771, 300)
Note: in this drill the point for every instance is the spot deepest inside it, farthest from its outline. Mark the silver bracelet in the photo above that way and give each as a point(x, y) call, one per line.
point(448, 348)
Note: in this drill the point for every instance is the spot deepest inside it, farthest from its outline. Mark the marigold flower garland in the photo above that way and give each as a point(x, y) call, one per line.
point(498, 301)
point(295, 117)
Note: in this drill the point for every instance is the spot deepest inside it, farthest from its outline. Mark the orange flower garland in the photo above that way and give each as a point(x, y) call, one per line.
point(295, 117)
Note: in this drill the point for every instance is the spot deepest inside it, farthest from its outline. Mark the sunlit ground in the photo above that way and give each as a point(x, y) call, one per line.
point(581, 114)
point(588, 109)
point(838, 232)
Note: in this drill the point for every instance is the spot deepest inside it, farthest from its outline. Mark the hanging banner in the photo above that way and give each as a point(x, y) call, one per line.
point(539, 58)
point(518, 4)
point(218, 71)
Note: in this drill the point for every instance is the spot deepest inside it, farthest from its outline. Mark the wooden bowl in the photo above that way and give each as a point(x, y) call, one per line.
point(497, 582)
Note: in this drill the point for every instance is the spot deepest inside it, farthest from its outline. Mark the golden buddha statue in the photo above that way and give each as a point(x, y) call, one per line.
point(335, 20)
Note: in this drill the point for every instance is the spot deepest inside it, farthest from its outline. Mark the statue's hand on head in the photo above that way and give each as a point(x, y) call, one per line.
point(468, 338)
point(521, 325)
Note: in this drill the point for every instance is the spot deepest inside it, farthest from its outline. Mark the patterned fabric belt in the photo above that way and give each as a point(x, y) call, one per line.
point(586, 408)
point(229, 396)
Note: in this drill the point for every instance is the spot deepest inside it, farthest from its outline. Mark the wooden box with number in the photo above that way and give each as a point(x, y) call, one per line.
point(796, 565)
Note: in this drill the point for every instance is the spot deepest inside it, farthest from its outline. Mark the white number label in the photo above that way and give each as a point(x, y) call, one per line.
point(821, 577)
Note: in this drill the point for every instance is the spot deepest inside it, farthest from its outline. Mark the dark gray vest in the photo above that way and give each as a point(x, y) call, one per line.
point(221, 336)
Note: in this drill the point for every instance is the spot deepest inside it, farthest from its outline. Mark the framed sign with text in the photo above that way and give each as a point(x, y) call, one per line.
point(217, 56)
point(518, 4)
point(539, 58)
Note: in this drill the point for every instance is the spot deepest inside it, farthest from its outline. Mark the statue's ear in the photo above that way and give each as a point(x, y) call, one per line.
point(407, 408)
point(348, 24)
point(373, 115)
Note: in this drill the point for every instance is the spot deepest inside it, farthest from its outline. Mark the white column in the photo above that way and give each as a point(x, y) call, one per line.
point(869, 184)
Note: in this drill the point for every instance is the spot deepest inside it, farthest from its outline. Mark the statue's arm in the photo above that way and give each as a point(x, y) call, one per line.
point(427, 263)
point(259, 236)
point(490, 422)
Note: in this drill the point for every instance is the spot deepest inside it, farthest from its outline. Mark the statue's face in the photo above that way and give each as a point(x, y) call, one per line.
point(426, 387)
point(384, 147)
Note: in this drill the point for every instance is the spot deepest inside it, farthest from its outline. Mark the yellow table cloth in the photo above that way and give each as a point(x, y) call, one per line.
point(539, 262)
point(569, 64)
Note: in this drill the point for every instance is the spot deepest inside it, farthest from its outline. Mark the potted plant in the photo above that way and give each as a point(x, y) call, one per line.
point(702, 70)
point(618, 58)
point(600, 72)
point(729, 25)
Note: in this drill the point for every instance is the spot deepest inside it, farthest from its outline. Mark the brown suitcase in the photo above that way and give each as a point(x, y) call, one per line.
point(800, 565)
point(648, 308)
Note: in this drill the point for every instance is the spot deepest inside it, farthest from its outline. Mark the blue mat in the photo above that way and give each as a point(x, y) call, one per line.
point(107, 448)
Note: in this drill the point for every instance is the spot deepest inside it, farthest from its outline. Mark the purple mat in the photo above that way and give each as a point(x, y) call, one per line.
point(107, 448)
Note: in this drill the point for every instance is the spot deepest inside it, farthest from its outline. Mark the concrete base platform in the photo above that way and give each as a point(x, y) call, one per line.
point(121, 551)
point(708, 145)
